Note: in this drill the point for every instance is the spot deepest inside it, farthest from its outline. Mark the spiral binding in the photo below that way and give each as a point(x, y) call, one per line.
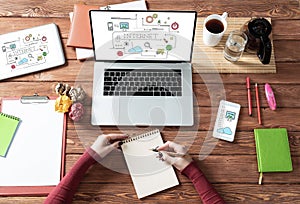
point(140, 136)
point(10, 116)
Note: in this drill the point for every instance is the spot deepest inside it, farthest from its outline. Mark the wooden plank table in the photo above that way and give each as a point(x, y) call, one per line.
point(231, 167)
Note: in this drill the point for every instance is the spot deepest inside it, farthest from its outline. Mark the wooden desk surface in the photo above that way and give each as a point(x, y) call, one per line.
point(231, 167)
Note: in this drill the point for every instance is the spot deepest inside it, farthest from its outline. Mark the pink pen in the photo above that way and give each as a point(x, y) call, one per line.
point(270, 97)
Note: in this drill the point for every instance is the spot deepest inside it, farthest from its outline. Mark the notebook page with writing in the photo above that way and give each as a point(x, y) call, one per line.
point(149, 175)
point(35, 156)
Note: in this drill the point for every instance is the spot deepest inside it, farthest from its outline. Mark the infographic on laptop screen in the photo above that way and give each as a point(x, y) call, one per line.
point(143, 35)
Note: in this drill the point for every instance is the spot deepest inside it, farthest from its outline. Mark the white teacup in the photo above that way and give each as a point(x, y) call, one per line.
point(214, 27)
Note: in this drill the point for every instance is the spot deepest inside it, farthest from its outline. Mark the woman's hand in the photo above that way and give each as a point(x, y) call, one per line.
point(104, 144)
point(175, 154)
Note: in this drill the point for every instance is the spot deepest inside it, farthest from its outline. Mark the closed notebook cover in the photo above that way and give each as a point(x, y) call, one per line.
point(80, 29)
point(8, 126)
point(273, 151)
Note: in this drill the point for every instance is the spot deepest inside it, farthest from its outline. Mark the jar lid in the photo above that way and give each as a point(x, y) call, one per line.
point(259, 27)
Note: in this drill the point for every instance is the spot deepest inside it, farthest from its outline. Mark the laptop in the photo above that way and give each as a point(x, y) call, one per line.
point(142, 69)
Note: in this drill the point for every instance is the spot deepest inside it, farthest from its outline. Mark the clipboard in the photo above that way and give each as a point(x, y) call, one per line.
point(43, 149)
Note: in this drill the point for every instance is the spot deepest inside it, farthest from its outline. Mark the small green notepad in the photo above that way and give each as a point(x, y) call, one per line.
point(8, 126)
point(273, 150)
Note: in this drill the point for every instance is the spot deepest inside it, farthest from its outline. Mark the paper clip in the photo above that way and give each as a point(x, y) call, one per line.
point(34, 99)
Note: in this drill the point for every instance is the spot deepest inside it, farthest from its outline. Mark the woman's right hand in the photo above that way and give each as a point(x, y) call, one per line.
point(169, 151)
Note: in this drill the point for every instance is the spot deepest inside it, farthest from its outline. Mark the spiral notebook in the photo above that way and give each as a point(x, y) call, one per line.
point(8, 127)
point(149, 175)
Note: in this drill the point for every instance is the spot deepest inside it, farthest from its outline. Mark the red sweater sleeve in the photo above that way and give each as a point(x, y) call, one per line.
point(63, 193)
point(205, 190)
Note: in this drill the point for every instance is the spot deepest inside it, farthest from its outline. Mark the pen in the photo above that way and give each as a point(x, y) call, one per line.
point(249, 96)
point(257, 104)
point(173, 154)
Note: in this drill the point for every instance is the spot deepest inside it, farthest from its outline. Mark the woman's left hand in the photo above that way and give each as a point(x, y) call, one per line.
point(104, 144)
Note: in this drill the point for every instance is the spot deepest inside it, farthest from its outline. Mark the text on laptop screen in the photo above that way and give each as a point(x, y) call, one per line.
point(143, 35)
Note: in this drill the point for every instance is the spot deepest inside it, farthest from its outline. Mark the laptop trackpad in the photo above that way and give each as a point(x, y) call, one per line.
point(142, 111)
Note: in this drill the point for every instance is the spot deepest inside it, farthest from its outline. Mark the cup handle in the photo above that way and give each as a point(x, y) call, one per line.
point(224, 15)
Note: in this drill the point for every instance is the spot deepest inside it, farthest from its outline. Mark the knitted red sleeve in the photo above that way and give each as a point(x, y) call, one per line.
point(63, 193)
point(205, 190)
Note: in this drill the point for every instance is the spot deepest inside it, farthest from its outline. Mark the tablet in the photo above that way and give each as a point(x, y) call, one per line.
point(30, 50)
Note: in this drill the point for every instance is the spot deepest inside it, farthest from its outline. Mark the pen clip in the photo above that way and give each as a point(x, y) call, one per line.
point(34, 99)
point(248, 83)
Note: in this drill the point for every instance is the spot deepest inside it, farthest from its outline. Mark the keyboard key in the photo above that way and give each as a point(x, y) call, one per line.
point(143, 93)
point(175, 88)
point(108, 83)
point(130, 93)
point(107, 79)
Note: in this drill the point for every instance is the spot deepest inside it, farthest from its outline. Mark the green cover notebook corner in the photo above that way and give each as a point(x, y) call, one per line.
point(8, 126)
point(273, 150)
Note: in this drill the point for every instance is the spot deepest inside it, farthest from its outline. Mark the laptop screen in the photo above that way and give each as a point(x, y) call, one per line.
point(143, 35)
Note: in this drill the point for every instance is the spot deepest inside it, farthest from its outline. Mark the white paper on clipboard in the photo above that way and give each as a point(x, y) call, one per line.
point(36, 154)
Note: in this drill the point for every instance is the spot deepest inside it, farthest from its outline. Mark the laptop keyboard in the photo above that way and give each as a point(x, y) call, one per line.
point(142, 82)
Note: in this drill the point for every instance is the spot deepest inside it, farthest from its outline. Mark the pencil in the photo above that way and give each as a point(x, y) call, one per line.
point(249, 96)
point(257, 104)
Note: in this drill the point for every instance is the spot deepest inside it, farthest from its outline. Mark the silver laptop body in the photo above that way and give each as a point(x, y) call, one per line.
point(142, 70)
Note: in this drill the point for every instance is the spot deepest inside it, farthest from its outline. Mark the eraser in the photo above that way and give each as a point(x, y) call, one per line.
point(270, 97)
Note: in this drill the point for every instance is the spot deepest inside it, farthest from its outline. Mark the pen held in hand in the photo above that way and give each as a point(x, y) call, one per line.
point(175, 154)
point(172, 154)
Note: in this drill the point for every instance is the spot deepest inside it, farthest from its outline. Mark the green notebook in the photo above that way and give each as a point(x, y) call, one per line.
point(8, 126)
point(273, 150)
